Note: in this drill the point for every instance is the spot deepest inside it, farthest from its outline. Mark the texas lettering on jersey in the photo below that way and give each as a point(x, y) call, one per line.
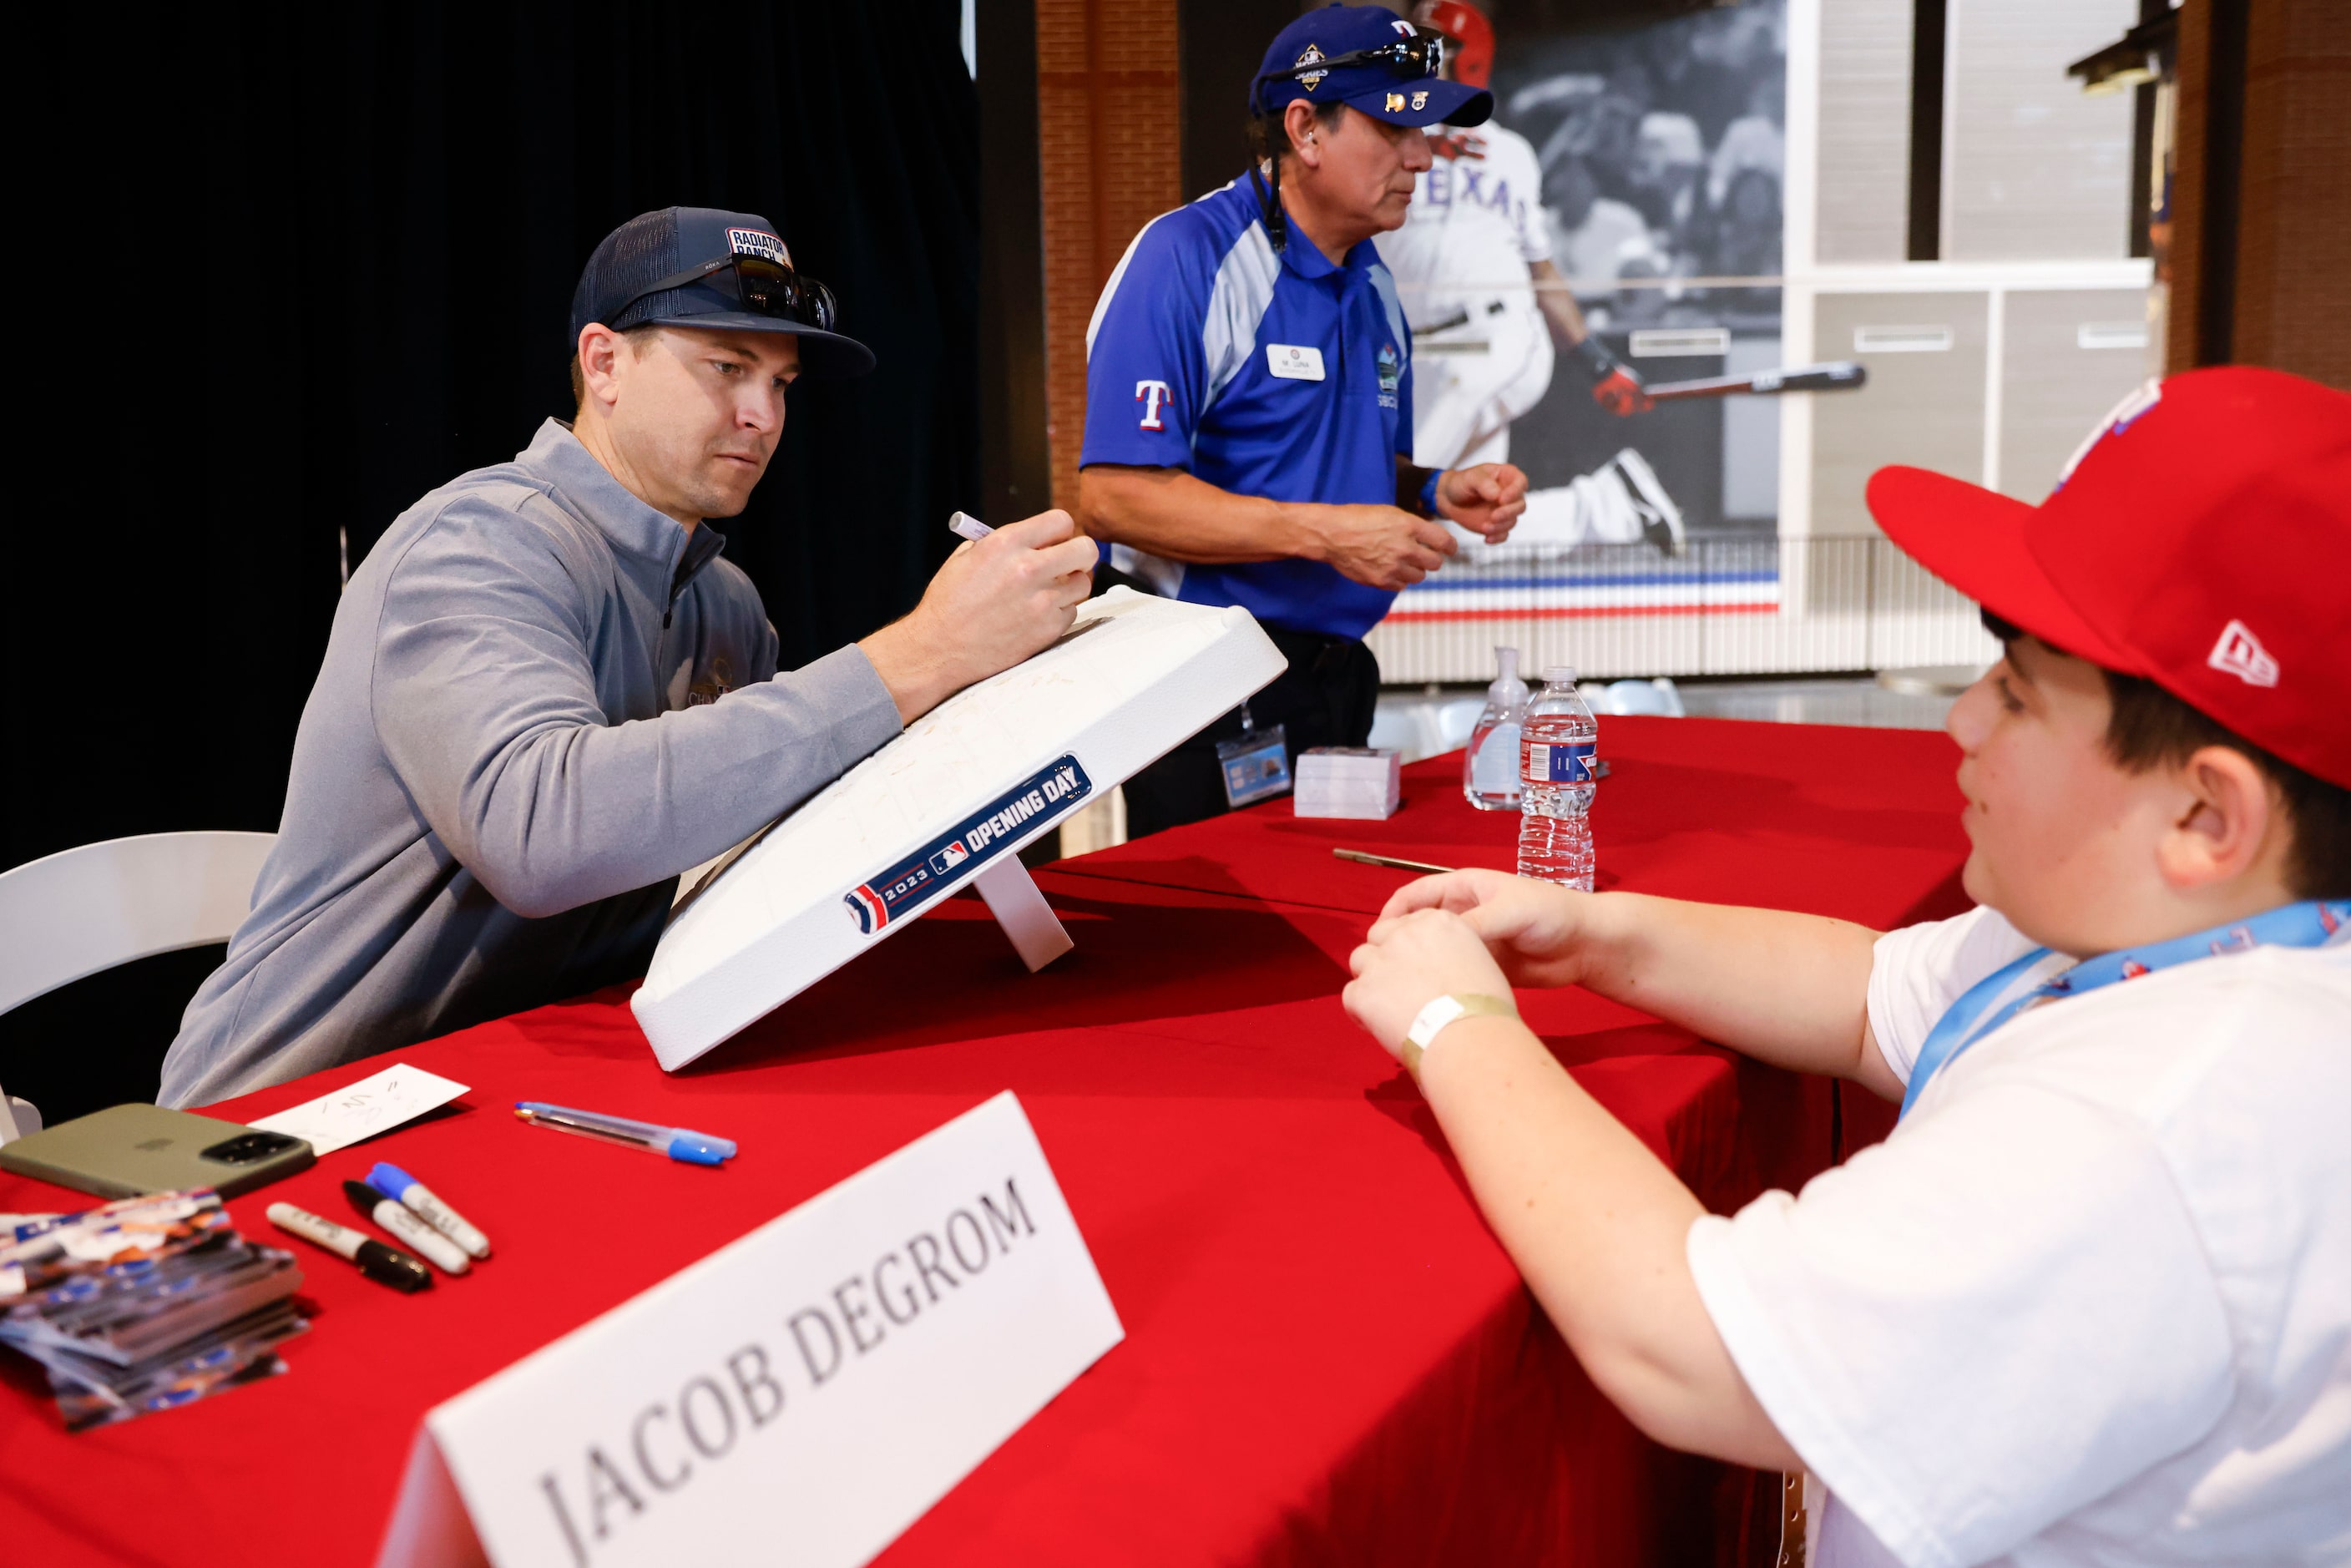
point(1465, 182)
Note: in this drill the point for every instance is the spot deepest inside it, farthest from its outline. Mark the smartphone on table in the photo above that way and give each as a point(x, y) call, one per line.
point(127, 1151)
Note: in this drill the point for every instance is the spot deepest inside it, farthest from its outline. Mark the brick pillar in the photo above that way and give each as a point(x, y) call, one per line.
point(2293, 229)
point(2279, 237)
point(1110, 159)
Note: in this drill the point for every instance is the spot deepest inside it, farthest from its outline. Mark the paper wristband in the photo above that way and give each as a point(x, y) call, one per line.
point(1432, 1019)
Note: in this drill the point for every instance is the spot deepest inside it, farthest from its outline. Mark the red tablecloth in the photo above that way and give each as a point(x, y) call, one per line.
point(1328, 1358)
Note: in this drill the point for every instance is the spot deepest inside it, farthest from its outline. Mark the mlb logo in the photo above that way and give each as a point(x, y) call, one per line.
point(947, 859)
point(2120, 418)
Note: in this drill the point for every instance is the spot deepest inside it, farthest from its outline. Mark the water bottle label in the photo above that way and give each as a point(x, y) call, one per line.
point(1555, 763)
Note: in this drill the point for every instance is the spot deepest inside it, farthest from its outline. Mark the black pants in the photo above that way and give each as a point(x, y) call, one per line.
point(1324, 698)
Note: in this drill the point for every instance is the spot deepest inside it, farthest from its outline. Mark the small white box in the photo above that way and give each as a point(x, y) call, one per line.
point(1353, 781)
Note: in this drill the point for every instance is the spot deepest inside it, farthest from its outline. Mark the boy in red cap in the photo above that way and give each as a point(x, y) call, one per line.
point(2091, 1302)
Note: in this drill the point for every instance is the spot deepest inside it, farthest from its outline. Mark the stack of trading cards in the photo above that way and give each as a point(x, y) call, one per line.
point(144, 1304)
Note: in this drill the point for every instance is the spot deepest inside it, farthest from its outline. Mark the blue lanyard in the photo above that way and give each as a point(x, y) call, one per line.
point(2001, 996)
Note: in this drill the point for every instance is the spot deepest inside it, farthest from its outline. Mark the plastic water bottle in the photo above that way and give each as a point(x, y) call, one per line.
point(1489, 772)
point(1560, 743)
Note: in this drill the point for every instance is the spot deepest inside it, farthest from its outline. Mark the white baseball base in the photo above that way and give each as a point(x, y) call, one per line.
point(950, 801)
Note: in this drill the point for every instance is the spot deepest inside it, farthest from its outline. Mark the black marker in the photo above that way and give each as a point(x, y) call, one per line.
point(438, 1249)
point(384, 1265)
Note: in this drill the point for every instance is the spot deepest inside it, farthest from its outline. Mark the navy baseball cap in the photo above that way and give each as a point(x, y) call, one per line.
point(1382, 64)
point(702, 266)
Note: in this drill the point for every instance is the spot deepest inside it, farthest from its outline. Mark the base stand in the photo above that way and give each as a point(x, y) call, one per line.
point(18, 1119)
point(1012, 897)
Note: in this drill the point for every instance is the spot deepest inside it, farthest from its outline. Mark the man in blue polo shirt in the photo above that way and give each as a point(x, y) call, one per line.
point(1248, 397)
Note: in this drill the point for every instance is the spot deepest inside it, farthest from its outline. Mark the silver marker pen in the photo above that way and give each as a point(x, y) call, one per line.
point(394, 1182)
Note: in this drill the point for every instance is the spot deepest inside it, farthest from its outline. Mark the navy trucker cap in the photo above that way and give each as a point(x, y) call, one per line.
point(1380, 87)
point(652, 247)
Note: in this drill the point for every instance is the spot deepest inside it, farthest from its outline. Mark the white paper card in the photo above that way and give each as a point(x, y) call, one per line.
point(361, 1110)
point(800, 1395)
point(1293, 361)
point(1356, 782)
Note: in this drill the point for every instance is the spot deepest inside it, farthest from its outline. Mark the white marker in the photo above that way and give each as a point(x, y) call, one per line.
point(395, 1183)
point(445, 1254)
point(970, 527)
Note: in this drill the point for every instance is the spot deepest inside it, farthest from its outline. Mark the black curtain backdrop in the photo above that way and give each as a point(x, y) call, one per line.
point(284, 268)
point(336, 247)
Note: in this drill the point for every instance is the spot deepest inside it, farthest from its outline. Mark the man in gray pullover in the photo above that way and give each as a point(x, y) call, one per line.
point(546, 696)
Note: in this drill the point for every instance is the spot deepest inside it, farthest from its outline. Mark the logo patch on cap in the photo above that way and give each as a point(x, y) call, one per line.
point(2240, 653)
point(1395, 101)
point(1420, 100)
point(2124, 414)
point(1312, 80)
point(758, 243)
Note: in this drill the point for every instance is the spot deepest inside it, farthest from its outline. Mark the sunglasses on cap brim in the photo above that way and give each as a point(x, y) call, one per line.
point(1422, 54)
point(761, 287)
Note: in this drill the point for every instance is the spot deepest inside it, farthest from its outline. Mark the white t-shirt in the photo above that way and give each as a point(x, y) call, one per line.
point(1474, 227)
point(2091, 1302)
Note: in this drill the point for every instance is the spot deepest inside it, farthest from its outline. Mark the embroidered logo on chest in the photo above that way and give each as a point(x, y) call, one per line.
point(715, 683)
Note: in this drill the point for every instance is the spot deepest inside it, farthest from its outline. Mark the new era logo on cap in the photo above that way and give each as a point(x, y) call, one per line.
point(2240, 653)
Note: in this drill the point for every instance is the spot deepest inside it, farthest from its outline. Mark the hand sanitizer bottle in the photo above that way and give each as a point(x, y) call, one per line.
point(1489, 771)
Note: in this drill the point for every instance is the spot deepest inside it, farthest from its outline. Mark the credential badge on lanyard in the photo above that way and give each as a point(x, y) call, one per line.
point(1256, 766)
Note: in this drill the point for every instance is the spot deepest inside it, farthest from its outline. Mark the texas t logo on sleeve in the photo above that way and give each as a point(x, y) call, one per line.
point(1151, 394)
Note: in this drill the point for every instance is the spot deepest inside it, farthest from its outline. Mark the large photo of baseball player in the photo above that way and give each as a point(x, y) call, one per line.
point(1616, 226)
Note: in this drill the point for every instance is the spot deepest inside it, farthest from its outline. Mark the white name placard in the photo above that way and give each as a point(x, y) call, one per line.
point(800, 1395)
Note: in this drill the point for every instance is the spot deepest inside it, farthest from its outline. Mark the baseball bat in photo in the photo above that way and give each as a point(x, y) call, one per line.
point(1839, 375)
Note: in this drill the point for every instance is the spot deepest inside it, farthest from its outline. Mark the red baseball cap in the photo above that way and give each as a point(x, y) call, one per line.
point(1473, 36)
point(2199, 537)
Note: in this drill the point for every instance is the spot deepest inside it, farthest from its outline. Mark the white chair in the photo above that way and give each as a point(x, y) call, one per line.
point(1659, 699)
point(81, 911)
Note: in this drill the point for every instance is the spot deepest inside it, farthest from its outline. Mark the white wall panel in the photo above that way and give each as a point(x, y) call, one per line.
point(1924, 405)
point(2068, 356)
point(1863, 206)
point(2034, 169)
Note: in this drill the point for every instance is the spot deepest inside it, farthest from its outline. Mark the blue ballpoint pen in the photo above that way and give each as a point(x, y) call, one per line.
point(678, 1142)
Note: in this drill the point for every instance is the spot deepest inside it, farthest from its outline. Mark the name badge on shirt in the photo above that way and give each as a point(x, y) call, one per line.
point(1294, 361)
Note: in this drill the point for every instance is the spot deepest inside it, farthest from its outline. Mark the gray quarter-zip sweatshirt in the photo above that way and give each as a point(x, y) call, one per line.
point(541, 701)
